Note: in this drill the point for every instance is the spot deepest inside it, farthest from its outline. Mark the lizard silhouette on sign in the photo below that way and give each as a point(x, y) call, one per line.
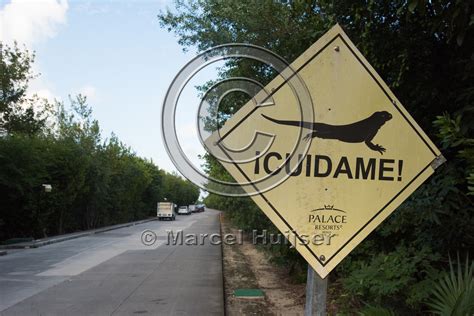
point(357, 132)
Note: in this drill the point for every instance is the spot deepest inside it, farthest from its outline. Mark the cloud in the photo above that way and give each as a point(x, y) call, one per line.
point(29, 22)
point(89, 91)
point(46, 94)
point(189, 131)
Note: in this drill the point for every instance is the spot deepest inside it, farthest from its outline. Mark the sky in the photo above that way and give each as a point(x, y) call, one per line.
point(115, 53)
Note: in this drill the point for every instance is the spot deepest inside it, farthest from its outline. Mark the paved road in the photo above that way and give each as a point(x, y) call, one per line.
point(114, 273)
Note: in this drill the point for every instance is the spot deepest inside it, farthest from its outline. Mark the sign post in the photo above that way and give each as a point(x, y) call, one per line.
point(365, 155)
point(316, 294)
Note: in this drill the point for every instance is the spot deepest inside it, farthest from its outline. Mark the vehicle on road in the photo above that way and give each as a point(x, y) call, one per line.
point(201, 207)
point(165, 210)
point(193, 208)
point(184, 210)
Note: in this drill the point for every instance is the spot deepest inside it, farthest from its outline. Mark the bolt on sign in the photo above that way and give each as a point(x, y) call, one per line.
point(364, 156)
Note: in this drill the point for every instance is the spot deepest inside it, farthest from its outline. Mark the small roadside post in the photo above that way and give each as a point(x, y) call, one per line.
point(316, 294)
point(363, 156)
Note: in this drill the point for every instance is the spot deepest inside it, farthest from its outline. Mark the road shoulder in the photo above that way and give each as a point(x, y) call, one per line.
point(247, 267)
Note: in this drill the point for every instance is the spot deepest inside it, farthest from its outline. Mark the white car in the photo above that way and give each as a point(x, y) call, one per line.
point(184, 210)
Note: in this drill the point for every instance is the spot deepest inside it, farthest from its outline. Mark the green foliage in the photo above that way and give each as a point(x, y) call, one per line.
point(456, 135)
point(453, 294)
point(370, 310)
point(15, 66)
point(95, 182)
point(387, 278)
point(19, 113)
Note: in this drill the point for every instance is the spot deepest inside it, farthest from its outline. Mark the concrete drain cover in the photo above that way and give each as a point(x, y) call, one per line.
point(249, 293)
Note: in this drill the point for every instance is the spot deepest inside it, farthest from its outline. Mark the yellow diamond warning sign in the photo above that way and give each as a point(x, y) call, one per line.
point(363, 152)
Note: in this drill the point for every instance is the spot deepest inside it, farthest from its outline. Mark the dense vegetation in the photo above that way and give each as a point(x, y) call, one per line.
point(95, 181)
point(424, 51)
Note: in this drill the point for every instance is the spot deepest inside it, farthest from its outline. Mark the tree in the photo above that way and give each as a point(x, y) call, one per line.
point(18, 112)
point(95, 182)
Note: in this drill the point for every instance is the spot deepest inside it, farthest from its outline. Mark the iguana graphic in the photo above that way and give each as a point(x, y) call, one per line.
point(358, 132)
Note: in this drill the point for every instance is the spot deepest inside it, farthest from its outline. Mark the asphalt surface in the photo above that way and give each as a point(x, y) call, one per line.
point(114, 273)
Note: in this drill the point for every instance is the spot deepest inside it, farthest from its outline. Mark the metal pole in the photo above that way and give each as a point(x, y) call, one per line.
point(316, 294)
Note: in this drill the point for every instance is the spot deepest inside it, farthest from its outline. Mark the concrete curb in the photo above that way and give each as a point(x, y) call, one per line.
point(222, 261)
point(40, 243)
